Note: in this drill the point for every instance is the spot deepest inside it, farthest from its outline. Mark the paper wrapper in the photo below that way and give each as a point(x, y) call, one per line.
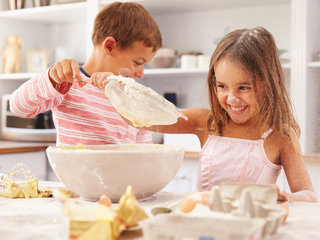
point(97, 221)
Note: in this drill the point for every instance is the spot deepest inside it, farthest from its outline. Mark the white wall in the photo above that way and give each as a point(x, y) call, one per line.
point(198, 30)
point(191, 91)
point(31, 38)
point(72, 37)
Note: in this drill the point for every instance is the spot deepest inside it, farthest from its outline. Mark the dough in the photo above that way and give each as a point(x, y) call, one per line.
point(141, 105)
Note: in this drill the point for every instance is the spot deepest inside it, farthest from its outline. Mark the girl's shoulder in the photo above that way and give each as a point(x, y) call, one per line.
point(284, 140)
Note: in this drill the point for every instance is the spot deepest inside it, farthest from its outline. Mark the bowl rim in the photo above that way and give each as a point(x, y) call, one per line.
point(161, 148)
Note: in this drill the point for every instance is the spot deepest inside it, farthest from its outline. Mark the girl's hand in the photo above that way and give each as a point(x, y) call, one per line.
point(66, 70)
point(99, 79)
point(282, 195)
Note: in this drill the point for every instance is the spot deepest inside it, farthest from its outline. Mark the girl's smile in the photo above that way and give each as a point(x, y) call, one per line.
point(237, 109)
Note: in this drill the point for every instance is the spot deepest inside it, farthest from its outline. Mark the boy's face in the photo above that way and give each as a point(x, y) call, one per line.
point(131, 61)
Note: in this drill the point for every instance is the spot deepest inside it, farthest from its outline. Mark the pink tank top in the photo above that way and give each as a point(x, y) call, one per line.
point(224, 159)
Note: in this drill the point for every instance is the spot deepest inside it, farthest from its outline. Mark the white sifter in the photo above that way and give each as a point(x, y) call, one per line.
point(141, 105)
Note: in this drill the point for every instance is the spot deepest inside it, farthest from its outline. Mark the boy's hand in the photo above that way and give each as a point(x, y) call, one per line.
point(99, 79)
point(66, 70)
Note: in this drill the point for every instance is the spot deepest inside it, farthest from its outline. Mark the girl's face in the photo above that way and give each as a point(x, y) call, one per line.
point(235, 91)
point(131, 61)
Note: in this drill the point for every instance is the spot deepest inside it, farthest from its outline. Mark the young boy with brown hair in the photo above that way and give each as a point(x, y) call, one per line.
point(125, 38)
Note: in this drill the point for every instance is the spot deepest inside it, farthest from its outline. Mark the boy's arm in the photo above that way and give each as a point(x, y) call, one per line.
point(46, 90)
point(144, 136)
point(37, 95)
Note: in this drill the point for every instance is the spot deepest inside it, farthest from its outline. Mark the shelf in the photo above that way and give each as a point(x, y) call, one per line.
point(17, 76)
point(73, 12)
point(153, 72)
point(147, 73)
point(314, 64)
point(173, 7)
point(60, 13)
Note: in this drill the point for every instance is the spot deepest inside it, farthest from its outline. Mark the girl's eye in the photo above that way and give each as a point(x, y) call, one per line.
point(244, 87)
point(221, 86)
point(137, 63)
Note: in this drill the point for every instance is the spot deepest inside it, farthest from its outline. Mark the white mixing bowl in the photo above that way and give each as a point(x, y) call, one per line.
point(108, 169)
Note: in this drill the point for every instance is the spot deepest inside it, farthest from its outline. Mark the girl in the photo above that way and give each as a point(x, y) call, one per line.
point(249, 131)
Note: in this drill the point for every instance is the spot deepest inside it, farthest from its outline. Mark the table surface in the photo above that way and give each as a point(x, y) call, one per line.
point(42, 218)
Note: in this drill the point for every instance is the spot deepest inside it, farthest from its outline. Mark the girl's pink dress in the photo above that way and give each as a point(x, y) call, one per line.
point(224, 159)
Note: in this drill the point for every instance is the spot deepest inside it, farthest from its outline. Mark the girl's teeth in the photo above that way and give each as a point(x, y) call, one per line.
point(237, 109)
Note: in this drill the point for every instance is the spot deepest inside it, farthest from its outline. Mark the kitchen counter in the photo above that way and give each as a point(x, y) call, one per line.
point(42, 218)
point(22, 147)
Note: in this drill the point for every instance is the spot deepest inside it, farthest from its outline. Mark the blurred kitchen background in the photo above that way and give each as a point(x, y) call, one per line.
point(50, 30)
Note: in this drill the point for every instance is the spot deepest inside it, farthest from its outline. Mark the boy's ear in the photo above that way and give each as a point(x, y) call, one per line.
point(108, 44)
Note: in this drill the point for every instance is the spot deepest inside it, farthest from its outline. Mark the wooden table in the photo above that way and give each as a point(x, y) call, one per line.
point(21, 147)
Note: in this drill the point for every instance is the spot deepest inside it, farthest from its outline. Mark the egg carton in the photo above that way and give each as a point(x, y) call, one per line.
point(249, 201)
point(233, 211)
point(177, 227)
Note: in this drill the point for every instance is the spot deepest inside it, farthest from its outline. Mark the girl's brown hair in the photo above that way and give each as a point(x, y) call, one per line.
point(126, 22)
point(254, 49)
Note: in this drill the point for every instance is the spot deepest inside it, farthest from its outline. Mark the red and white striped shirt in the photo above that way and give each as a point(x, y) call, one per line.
point(81, 115)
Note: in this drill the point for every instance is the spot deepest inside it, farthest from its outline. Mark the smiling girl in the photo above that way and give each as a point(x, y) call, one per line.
point(249, 132)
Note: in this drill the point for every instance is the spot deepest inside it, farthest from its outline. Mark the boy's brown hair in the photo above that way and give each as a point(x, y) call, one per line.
point(126, 22)
point(254, 49)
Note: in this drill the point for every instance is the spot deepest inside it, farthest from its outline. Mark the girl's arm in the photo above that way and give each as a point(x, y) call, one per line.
point(196, 123)
point(296, 173)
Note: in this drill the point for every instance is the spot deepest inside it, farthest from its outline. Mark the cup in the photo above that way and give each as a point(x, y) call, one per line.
point(189, 61)
point(16, 4)
point(40, 3)
point(204, 61)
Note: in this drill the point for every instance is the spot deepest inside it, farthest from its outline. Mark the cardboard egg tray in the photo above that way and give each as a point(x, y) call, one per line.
point(234, 211)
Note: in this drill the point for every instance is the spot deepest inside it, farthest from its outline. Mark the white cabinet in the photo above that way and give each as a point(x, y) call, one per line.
point(188, 25)
point(305, 73)
point(186, 178)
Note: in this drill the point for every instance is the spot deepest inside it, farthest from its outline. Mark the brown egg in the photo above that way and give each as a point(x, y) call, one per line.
point(187, 205)
point(104, 200)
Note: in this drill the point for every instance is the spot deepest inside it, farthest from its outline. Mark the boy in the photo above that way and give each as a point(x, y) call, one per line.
point(125, 36)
